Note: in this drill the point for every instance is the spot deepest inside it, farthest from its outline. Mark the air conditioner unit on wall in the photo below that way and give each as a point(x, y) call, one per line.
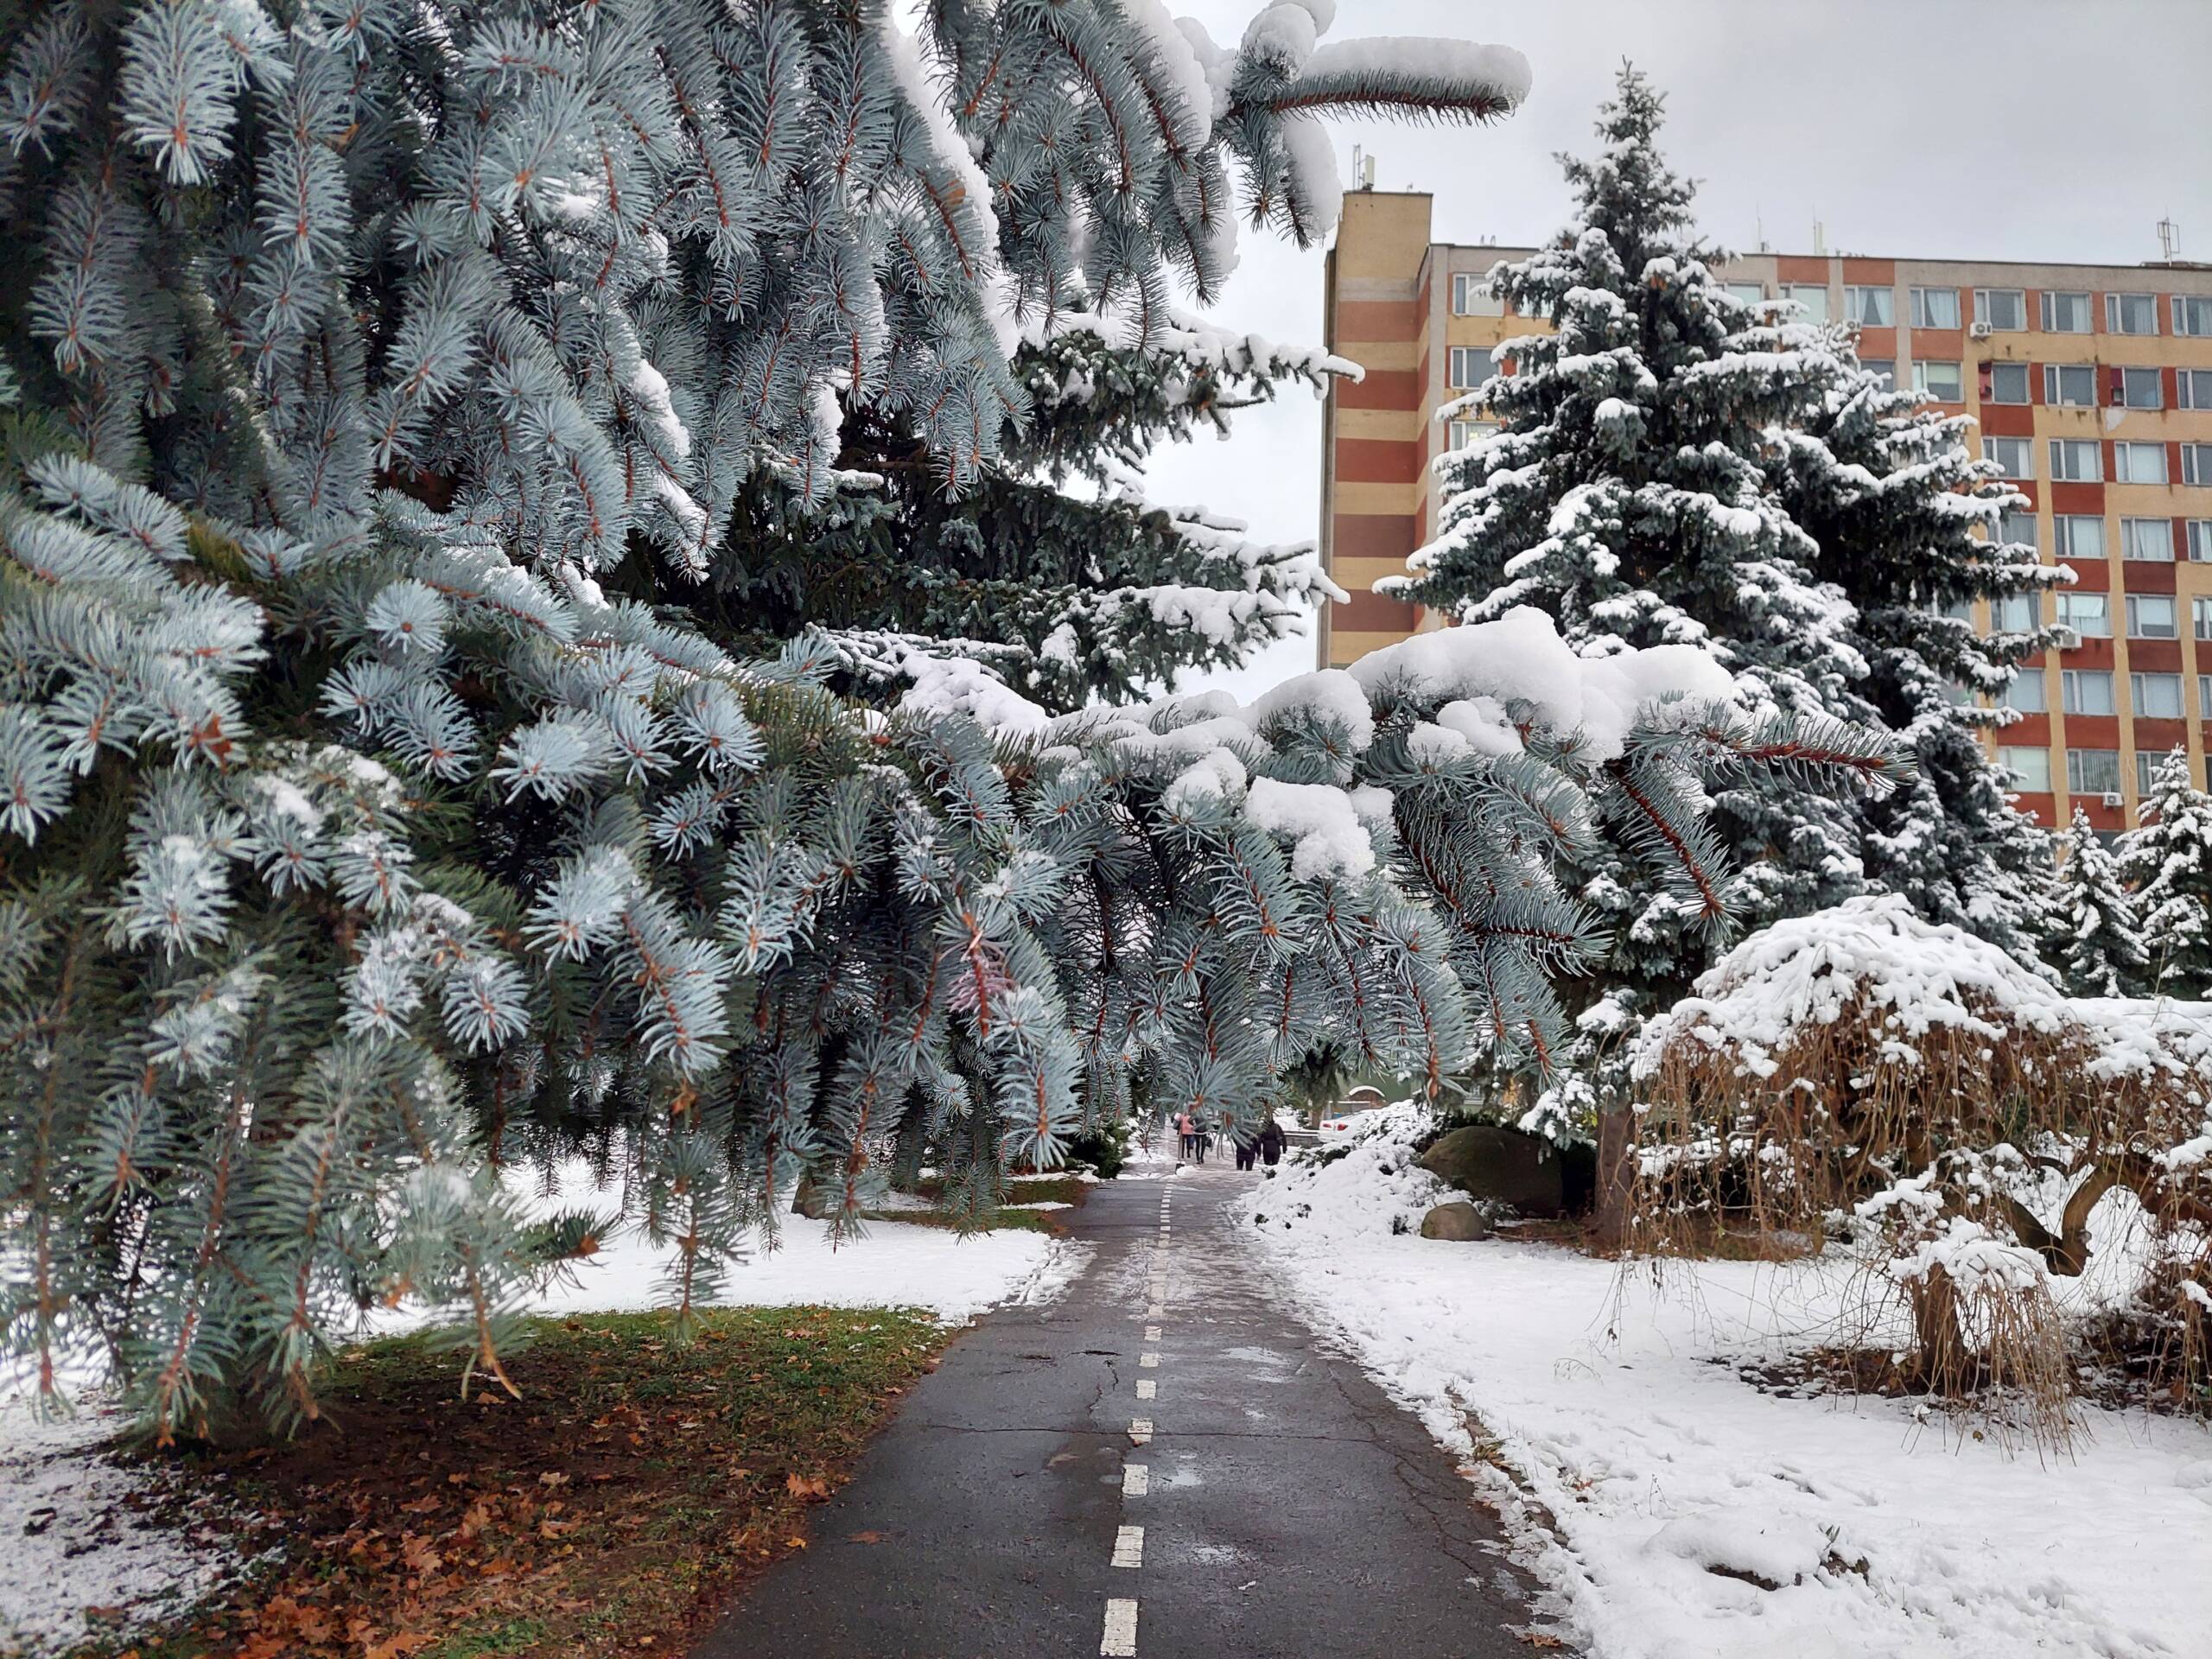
point(2112, 797)
point(1981, 331)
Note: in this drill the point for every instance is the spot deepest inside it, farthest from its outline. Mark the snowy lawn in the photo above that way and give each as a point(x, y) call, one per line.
point(1671, 1483)
point(72, 1526)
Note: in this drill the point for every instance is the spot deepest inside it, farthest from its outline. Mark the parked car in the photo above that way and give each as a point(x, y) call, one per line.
point(1341, 1118)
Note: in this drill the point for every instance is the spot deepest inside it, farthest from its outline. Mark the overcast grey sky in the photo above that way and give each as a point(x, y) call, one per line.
point(2058, 130)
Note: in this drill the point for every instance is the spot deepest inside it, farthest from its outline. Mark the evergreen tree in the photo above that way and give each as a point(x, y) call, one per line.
point(2166, 862)
point(380, 802)
point(1908, 526)
point(1630, 494)
point(2096, 936)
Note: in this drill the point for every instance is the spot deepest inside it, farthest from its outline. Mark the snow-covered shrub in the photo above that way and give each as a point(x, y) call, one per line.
point(1913, 1089)
point(1364, 1185)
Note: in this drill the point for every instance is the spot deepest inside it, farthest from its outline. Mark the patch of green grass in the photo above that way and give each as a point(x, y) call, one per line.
point(637, 1481)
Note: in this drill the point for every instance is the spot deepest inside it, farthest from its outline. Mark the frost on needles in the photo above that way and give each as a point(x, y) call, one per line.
point(394, 787)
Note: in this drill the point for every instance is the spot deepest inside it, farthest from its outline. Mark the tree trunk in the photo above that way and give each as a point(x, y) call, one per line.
point(1615, 1175)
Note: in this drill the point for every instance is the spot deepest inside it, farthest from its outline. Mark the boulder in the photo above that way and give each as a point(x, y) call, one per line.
point(1458, 1221)
point(1503, 1166)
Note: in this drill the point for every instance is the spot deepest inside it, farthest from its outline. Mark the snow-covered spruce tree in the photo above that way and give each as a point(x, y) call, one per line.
point(1630, 494)
point(357, 836)
point(1053, 567)
point(353, 826)
point(1908, 526)
point(2166, 863)
point(2095, 934)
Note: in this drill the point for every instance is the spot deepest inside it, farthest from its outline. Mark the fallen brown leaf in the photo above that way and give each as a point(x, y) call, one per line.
point(812, 1487)
point(870, 1537)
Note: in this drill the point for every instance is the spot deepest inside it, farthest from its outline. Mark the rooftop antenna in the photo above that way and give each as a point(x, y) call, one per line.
point(2169, 241)
point(1759, 229)
point(1820, 238)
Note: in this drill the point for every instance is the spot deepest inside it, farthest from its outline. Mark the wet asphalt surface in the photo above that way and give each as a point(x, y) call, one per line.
point(1289, 1507)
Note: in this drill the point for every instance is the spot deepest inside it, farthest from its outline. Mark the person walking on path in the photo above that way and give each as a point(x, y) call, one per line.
point(1248, 1152)
point(1271, 1142)
point(1187, 1127)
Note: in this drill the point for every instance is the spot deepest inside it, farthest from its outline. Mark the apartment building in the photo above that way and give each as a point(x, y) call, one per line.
point(2090, 384)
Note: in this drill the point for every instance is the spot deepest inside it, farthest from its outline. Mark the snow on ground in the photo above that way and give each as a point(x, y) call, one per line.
point(1663, 1470)
point(71, 1535)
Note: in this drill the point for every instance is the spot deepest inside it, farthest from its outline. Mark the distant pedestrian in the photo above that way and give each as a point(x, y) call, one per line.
point(1248, 1154)
point(1187, 1127)
point(1272, 1141)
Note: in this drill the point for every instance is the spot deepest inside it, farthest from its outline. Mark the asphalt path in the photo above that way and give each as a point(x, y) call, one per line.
point(1165, 1462)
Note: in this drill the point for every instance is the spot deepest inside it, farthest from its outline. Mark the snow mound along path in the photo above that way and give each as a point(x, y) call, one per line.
point(1676, 1511)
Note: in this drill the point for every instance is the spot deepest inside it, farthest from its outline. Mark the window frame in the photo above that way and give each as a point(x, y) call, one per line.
point(1919, 298)
point(2070, 684)
point(1475, 284)
point(2035, 778)
point(2161, 539)
point(2134, 615)
point(2138, 678)
point(2126, 451)
point(2025, 447)
point(2070, 446)
point(1452, 441)
point(1798, 290)
point(1981, 309)
point(2197, 539)
point(2020, 527)
point(2070, 602)
point(2065, 527)
point(2051, 297)
point(1853, 292)
point(2037, 704)
point(2054, 385)
point(2129, 378)
point(1999, 623)
point(2193, 388)
point(2196, 466)
point(2200, 615)
point(2180, 307)
point(1921, 365)
point(2027, 383)
point(1452, 381)
point(1885, 368)
point(2115, 302)
point(2077, 778)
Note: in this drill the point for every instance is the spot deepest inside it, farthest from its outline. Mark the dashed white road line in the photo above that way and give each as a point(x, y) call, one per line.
point(1149, 1360)
point(1141, 1431)
point(1120, 1641)
point(1128, 1547)
point(1153, 1310)
point(1137, 1479)
point(1152, 1333)
point(1146, 1389)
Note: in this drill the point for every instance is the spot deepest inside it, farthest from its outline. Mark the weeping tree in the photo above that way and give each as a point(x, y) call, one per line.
point(391, 788)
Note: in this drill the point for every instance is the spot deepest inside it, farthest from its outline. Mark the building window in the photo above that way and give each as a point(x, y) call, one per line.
point(2093, 771)
point(1471, 366)
point(1939, 381)
point(1875, 307)
point(2199, 536)
point(2139, 463)
point(2204, 697)
point(2196, 464)
point(2065, 314)
point(2148, 539)
point(2018, 527)
point(2138, 389)
point(2150, 616)
point(2004, 309)
point(2025, 694)
point(2014, 456)
point(2008, 383)
point(2199, 617)
point(2071, 384)
point(2078, 536)
point(2193, 314)
point(2156, 696)
point(2088, 614)
point(2132, 313)
point(1465, 432)
point(1935, 308)
point(1473, 296)
point(2013, 613)
point(1748, 293)
point(2086, 691)
point(2075, 460)
point(1813, 296)
point(1884, 369)
point(2194, 387)
point(2031, 766)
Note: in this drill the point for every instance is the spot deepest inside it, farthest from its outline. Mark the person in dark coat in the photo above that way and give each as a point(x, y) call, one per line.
point(1271, 1143)
point(1248, 1152)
